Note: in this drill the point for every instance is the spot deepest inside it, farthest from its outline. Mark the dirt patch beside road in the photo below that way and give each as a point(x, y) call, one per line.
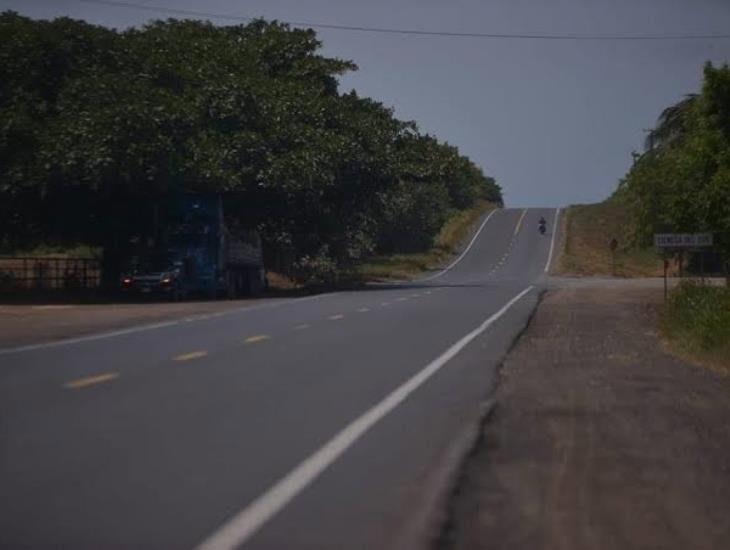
point(600, 438)
point(30, 324)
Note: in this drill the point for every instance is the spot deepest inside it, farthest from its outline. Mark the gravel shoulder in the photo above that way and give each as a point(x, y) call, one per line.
point(600, 438)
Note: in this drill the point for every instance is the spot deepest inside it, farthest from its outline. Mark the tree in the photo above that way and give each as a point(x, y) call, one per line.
point(96, 125)
point(671, 125)
point(682, 182)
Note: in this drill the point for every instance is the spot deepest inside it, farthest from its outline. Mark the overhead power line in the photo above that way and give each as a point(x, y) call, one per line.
point(382, 30)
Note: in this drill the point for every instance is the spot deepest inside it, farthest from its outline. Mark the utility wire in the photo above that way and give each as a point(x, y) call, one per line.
point(381, 30)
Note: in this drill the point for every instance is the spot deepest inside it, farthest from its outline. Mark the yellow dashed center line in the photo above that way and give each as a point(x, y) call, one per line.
point(190, 356)
point(257, 338)
point(91, 380)
point(336, 317)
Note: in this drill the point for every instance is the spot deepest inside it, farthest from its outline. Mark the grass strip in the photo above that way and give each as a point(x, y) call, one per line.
point(589, 229)
point(447, 243)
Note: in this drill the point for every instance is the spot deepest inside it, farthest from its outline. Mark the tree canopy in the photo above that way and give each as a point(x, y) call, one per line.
point(96, 123)
point(681, 183)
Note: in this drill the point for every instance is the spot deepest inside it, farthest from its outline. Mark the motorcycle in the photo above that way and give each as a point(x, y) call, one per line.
point(542, 229)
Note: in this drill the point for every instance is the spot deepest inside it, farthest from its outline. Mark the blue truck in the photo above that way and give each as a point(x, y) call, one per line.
point(192, 250)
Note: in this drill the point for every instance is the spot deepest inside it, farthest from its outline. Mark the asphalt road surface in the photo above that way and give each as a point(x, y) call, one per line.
point(322, 422)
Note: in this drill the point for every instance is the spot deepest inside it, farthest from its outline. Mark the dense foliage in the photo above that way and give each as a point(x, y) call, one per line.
point(682, 181)
point(95, 124)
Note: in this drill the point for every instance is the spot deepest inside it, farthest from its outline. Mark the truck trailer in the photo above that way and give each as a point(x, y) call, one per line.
point(193, 250)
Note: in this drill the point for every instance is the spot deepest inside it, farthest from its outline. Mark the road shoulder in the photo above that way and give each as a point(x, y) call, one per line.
point(600, 439)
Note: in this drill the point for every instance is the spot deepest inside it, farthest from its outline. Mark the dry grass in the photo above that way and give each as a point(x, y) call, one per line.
point(589, 229)
point(279, 281)
point(449, 240)
point(696, 323)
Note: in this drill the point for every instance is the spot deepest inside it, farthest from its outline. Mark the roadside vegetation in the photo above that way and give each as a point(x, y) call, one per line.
point(681, 182)
point(450, 239)
point(97, 124)
point(589, 229)
point(696, 320)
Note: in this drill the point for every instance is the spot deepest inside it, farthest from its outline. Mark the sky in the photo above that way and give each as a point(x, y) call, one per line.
point(554, 122)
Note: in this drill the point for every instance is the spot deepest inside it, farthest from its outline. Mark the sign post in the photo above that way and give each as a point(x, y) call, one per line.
point(680, 242)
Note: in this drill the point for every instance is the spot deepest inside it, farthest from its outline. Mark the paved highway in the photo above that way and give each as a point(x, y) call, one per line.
point(324, 422)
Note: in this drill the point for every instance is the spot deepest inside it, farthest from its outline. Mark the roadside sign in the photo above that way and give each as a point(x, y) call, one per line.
point(682, 240)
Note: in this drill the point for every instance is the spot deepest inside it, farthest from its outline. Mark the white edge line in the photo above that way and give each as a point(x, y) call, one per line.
point(154, 326)
point(552, 240)
point(242, 526)
point(461, 256)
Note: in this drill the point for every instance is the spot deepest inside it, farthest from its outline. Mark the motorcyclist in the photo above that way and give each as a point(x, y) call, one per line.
point(543, 223)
